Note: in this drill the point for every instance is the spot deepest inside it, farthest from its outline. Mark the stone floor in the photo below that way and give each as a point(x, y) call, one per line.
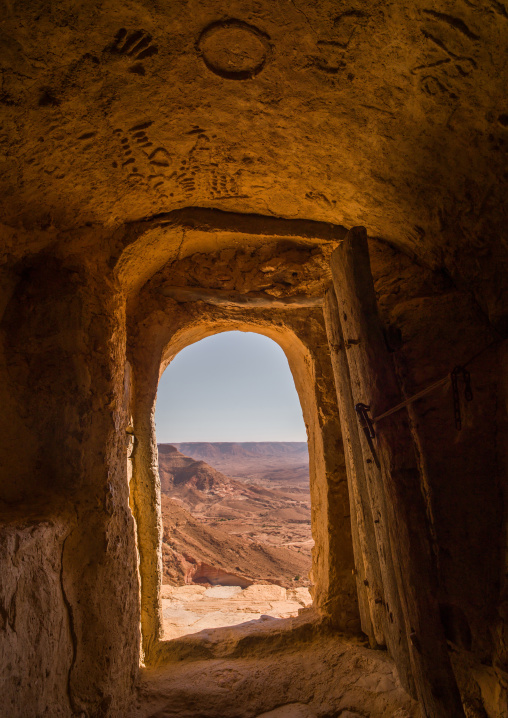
point(192, 609)
point(296, 676)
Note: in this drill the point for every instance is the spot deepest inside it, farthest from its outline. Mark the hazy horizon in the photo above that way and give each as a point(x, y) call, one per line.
point(226, 441)
point(233, 387)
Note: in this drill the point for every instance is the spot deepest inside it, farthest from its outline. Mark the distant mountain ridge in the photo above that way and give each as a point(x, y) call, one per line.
point(205, 490)
point(207, 450)
point(271, 463)
point(194, 481)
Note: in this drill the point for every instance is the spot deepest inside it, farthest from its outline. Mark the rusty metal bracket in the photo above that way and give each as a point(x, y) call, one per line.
point(368, 428)
point(365, 421)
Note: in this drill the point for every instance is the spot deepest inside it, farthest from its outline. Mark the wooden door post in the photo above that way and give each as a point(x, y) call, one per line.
point(393, 466)
point(377, 586)
point(368, 577)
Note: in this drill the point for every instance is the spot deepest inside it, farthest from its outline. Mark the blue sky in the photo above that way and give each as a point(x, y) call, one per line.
point(234, 386)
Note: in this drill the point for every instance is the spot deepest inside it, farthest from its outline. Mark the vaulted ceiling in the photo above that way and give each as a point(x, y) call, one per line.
point(393, 115)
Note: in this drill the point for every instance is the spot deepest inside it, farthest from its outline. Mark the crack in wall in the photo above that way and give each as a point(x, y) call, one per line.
point(72, 630)
point(298, 9)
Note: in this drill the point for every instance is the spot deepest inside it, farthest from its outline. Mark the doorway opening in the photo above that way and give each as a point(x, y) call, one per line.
point(235, 495)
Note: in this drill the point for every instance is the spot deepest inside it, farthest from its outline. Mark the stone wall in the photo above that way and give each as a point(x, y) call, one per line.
point(434, 327)
point(36, 650)
point(144, 148)
point(80, 546)
point(68, 556)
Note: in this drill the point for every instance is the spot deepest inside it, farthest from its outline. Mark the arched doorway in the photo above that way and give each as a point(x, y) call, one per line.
point(307, 356)
point(234, 476)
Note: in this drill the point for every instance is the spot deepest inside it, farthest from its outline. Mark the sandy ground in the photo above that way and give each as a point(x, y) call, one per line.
point(192, 609)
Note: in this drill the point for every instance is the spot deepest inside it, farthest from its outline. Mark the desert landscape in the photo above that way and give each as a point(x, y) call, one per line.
point(236, 545)
point(268, 463)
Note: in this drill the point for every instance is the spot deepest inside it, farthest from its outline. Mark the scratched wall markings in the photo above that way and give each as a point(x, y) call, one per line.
point(449, 54)
point(197, 171)
point(332, 51)
point(136, 47)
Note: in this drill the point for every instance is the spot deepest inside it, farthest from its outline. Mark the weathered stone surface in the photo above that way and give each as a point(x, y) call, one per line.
point(186, 611)
point(188, 592)
point(291, 710)
point(223, 591)
point(418, 78)
point(36, 642)
point(300, 594)
point(263, 593)
point(62, 360)
point(324, 677)
point(440, 327)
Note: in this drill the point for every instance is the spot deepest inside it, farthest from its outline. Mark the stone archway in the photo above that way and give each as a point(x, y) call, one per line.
point(333, 562)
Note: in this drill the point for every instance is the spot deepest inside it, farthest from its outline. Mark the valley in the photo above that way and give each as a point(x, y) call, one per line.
point(237, 545)
point(210, 517)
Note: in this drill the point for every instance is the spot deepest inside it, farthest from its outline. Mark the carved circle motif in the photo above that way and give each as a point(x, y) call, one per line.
point(233, 49)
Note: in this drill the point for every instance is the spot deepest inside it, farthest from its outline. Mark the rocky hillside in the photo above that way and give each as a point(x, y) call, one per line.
point(195, 553)
point(216, 526)
point(207, 492)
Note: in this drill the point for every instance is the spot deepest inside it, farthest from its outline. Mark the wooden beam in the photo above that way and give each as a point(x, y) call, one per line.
point(365, 584)
point(207, 219)
point(367, 557)
point(224, 298)
point(403, 512)
point(373, 553)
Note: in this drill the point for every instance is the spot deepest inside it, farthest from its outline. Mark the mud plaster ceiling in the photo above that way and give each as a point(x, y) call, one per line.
point(388, 114)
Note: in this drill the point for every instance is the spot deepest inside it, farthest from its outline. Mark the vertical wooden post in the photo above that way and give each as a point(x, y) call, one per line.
point(368, 585)
point(394, 475)
point(373, 554)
